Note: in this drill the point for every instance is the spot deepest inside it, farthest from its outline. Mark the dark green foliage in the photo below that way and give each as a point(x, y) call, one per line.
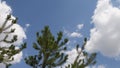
point(49, 50)
point(89, 59)
point(7, 53)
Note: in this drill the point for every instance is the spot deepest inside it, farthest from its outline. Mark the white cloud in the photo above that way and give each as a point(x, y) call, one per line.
point(71, 55)
point(4, 11)
point(105, 35)
point(75, 34)
point(20, 33)
point(17, 58)
point(80, 26)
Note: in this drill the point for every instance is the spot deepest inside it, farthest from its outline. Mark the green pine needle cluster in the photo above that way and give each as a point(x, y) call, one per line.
point(49, 50)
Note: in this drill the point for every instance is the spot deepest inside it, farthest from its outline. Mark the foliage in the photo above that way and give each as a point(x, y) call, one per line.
point(89, 59)
point(49, 50)
point(7, 52)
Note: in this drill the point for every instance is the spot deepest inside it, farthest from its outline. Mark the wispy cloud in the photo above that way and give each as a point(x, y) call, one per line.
point(105, 35)
point(76, 33)
point(26, 27)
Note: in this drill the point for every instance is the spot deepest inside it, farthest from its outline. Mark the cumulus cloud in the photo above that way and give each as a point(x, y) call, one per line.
point(17, 58)
point(105, 35)
point(19, 31)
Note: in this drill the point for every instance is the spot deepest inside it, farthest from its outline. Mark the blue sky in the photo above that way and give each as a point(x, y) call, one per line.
point(59, 15)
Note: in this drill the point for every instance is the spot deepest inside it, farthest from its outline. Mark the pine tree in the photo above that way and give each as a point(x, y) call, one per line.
point(49, 50)
point(89, 59)
point(7, 52)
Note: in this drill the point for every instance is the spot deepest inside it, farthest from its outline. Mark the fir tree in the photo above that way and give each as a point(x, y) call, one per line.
point(89, 59)
point(7, 52)
point(49, 50)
